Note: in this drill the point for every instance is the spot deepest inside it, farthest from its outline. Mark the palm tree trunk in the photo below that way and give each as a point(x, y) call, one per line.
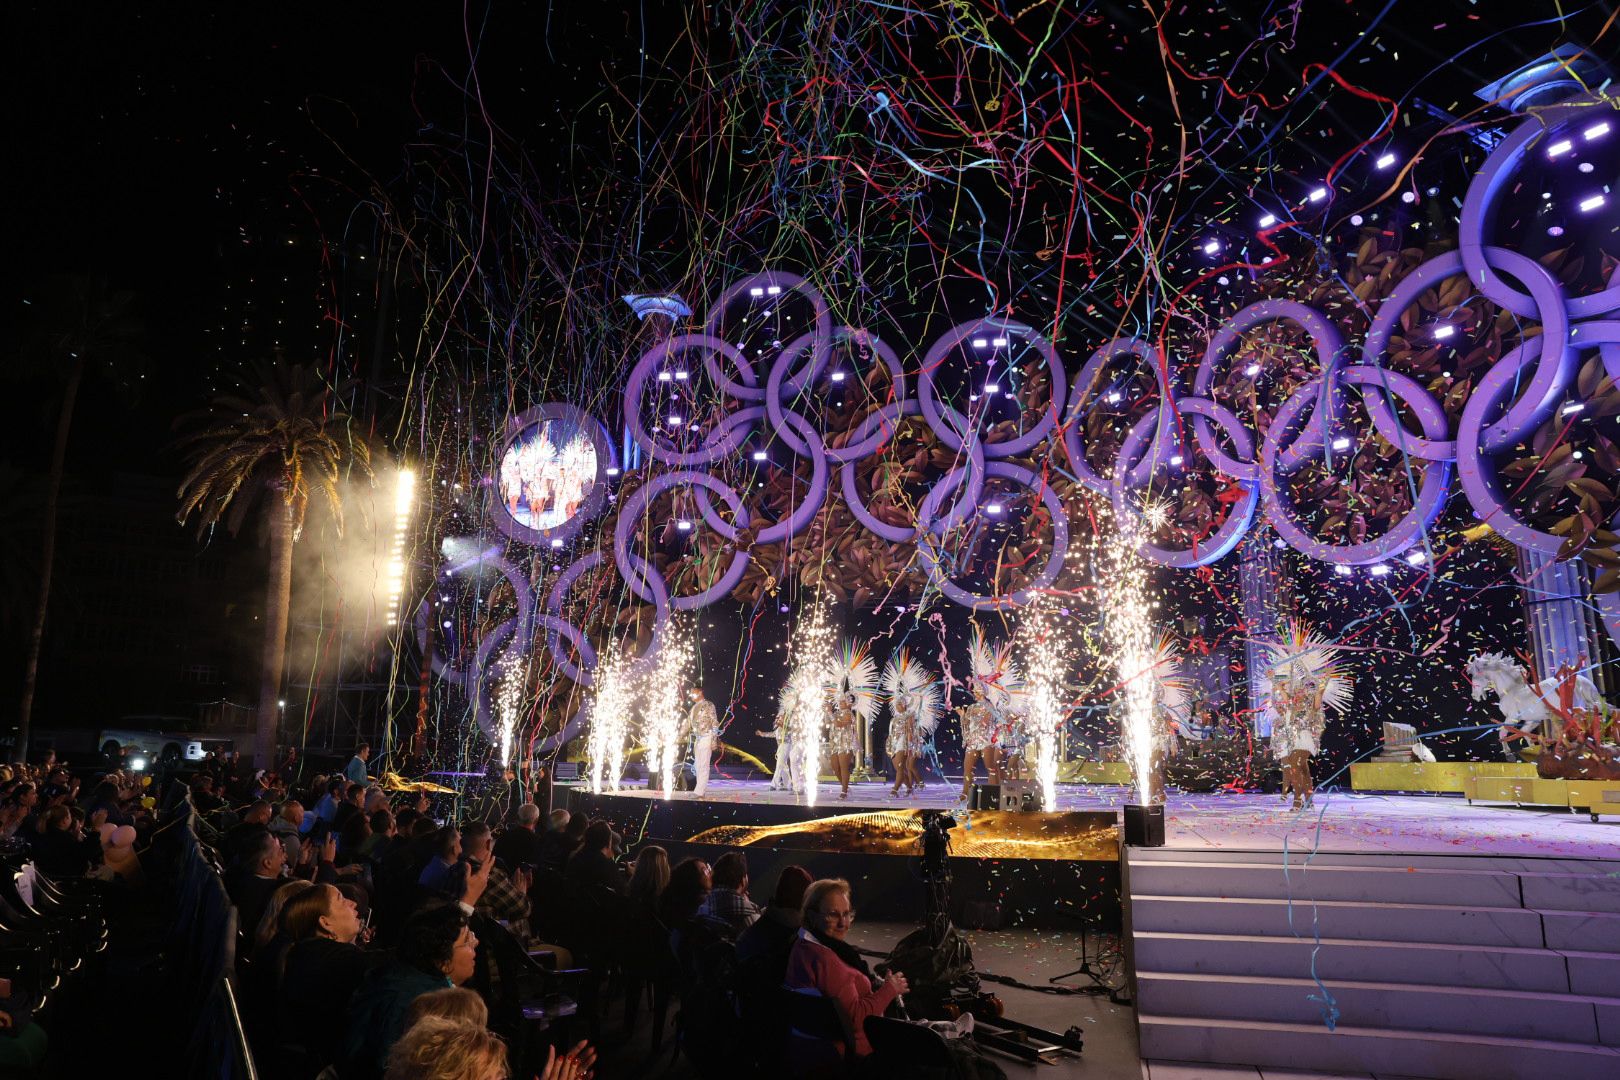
point(47, 558)
point(277, 599)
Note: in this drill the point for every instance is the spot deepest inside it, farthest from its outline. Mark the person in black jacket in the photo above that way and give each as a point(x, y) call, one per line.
point(593, 864)
point(322, 969)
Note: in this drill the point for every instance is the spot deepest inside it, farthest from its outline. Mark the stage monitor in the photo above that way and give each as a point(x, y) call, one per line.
point(551, 473)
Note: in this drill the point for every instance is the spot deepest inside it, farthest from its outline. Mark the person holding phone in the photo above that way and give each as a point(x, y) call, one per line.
point(323, 968)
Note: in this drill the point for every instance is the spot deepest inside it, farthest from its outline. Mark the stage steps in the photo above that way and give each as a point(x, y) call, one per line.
point(1428, 965)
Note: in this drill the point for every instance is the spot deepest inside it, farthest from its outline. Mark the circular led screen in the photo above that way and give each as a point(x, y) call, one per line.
point(550, 475)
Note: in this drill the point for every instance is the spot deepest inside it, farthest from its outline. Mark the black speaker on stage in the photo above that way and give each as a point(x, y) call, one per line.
point(1144, 825)
point(985, 797)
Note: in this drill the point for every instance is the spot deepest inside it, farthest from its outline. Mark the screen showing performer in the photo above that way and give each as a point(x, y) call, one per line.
point(546, 473)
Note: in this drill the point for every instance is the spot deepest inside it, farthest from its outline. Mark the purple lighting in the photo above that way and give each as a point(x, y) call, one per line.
point(1560, 148)
point(1590, 203)
point(1596, 131)
point(1212, 247)
point(1444, 331)
point(1385, 161)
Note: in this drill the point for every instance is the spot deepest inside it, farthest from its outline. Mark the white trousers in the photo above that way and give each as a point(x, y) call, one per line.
point(702, 756)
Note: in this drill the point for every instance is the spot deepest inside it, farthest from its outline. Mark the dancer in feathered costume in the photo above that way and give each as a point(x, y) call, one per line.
point(994, 684)
point(1306, 674)
point(915, 704)
point(786, 776)
point(1172, 699)
point(853, 684)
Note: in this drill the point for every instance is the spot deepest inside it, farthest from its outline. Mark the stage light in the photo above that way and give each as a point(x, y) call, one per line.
point(1596, 131)
point(1555, 230)
point(612, 470)
point(1444, 331)
point(1559, 148)
point(981, 343)
point(993, 508)
point(1586, 166)
point(674, 421)
point(664, 376)
point(1384, 161)
point(1176, 459)
point(773, 290)
point(1000, 342)
point(1341, 569)
point(447, 624)
point(1113, 397)
point(137, 764)
point(1417, 558)
point(1408, 197)
point(1212, 247)
point(1268, 221)
point(838, 376)
point(1252, 370)
point(1319, 194)
point(1356, 219)
point(556, 542)
point(1577, 455)
point(760, 455)
point(680, 376)
point(992, 388)
point(683, 525)
point(756, 292)
point(1590, 203)
point(1379, 569)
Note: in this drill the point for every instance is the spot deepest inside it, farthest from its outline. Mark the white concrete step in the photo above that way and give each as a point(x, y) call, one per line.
point(1511, 927)
point(1394, 884)
point(1375, 1050)
point(1532, 969)
point(1467, 1010)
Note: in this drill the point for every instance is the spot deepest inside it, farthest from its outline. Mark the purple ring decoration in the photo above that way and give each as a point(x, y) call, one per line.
point(446, 577)
point(775, 283)
point(1137, 447)
point(1073, 419)
point(661, 450)
point(1603, 336)
point(774, 397)
point(805, 512)
point(1018, 597)
point(1478, 206)
point(590, 504)
point(1409, 530)
point(557, 627)
point(951, 426)
point(974, 472)
point(633, 566)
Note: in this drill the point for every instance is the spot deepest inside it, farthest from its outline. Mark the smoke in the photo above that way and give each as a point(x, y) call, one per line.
point(347, 585)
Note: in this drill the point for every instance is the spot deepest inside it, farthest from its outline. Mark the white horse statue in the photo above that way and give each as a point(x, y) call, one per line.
point(1521, 706)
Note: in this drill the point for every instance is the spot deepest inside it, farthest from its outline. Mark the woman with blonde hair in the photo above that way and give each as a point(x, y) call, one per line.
point(436, 1048)
point(451, 1003)
point(823, 961)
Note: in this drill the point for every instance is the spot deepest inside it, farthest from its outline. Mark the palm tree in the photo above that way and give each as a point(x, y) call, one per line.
point(286, 441)
point(84, 325)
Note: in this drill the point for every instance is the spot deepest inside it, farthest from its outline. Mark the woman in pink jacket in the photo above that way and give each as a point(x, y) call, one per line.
point(823, 961)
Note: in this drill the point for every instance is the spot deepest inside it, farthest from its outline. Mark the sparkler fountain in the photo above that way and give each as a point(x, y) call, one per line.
point(1128, 628)
point(1044, 667)
point(664, 706)
point(814, 670)
point(610, 709)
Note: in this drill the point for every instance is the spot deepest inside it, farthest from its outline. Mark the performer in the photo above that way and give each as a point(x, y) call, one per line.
point(1012, 737)
point(785, 778)
point(914, 703)
point(994, 684)
point(1305, 677)
point(703, 726)
point(854, 694)
point(978, 740)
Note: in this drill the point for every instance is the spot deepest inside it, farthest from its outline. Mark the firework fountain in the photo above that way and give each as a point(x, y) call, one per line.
point(508, 703)
point(814, 671)
point(1044, 668)
point(664, 706)
point(1128, 627)
point(610, 710)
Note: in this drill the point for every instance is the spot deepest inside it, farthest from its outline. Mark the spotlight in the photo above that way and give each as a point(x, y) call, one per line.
point(1212, 247)
point(756, 292)
point(683, 525)
point(1268, 221)
point(1555, 230)
point(137, 764)
point(1279, 543)
point(1341, 443)
point(773, 290)
point(1319, 194)
point(612, 470)
point(1417, 558)
point(1590, 203)
point(992, 388)
point(981, 343)
point(1444, 331)
point(1409, 197)
point(1252, 370)
point(1113, 397)
point(675, 421)
point(1000, 342)
point(447, 624)
point(993, 508)
point(1384, 161)
point(1380, 570)
point(1341, 569)
point(1176, 459)
point(556, 542)
point(838, 376)
point(680, 376)
point(1559, 148)
point(664, 376)
point(1596, 131)
point(1571, 409)
point(1356, 219)
point(760, 455)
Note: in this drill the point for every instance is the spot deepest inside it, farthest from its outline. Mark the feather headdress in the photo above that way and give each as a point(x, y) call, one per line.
point(1171, 688)
point(1303, 654)
point(854, 672)
point(905, 678)
point(993, 668)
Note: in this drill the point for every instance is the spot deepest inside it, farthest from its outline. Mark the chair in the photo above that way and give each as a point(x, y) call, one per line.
point(816, 1038)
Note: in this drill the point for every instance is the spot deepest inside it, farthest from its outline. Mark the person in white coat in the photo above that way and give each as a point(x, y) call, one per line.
point(704, 726)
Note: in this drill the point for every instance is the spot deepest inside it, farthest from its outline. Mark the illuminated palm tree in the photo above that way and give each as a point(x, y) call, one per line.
point(285, 440)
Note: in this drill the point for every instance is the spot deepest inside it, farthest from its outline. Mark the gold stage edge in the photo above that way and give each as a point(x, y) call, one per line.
point(1488, 782)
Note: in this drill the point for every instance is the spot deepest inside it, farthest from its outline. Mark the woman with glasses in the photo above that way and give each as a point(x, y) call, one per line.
point(823, 961)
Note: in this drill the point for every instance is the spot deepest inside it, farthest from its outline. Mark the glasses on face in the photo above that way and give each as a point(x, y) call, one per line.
point(839, 916)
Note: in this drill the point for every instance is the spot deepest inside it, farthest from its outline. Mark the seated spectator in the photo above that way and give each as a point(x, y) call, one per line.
point(107, 801)
point(436, 1049)
point(266, 934)
point(763, 948)
point(688, 888)
point(519, 844)
point(561, 845)
point(377, 842)
point(439, 874)
point(60, 847)
point(255, 818)
point(823, 961)
point(649, 877)
point(322, 969)
point(352, 838)
point(593, 863)
point(288, 826)
point(728, 901)
point(437, 950)
point(455, 1003)
point(255, 878)
point(326, 807)
point(354, 798)
point(203, 796)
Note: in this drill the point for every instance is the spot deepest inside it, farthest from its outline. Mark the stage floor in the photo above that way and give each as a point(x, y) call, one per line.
point(1339, 822)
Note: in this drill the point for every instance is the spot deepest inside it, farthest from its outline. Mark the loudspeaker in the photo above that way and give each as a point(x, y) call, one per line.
point(985, 797)
point(1144, 825)
point(1021, 795)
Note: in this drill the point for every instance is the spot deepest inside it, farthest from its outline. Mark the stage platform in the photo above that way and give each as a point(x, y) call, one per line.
point(1345, 822)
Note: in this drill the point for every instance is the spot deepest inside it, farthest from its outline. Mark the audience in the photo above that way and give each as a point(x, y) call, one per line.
point(649, 877)
point(764, 947)
point(519, 844)
point(322, 968)
point(439, 874)
point(593, 863)
point(728, 902)
point(823, 961)
point(438, 950)
point(564, 841)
